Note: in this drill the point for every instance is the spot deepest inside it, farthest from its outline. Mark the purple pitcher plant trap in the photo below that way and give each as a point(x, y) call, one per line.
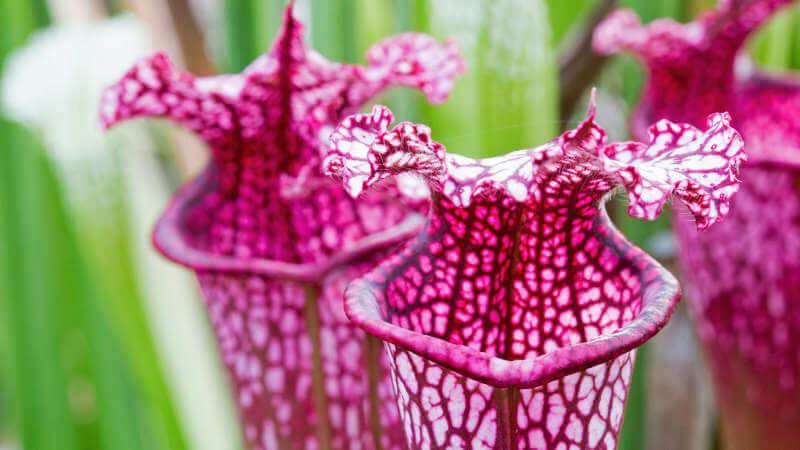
point(743, 278)
point(273, 241)
point(511, 320)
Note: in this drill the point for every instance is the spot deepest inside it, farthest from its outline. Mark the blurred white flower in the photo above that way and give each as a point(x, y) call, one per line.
point(116, 189)
point(53, 84)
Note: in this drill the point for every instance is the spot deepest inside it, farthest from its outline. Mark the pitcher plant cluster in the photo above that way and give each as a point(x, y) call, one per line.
point(368, 289)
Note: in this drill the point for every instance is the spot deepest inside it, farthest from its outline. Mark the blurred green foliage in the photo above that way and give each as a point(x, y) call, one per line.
point(33, 281)
point(506, 100)
point(80, 369)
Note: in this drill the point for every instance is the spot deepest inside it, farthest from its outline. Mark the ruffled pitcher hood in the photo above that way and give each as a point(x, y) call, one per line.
point(519, 292)
point(273, 242)
point(262, 195)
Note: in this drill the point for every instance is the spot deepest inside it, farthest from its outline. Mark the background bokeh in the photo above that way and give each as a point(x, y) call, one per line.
point(104, 345)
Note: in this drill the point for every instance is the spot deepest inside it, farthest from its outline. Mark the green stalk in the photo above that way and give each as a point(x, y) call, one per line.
point(565, 15)
point(795, 39)
point(333, 31)
point(267, 16)
point(29, 298)
point(508, 99)
point(375, 20)
point(114, 402)
point(250, 27)
point(120, 306)
point(775, 46)
point(241, 45)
